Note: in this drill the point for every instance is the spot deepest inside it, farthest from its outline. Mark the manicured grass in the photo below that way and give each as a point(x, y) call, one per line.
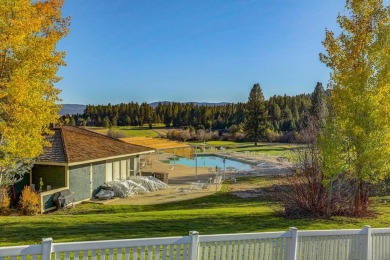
point(275, 149)
point(227, 144)
point(132, 131)
point(215, 214)
point(138, 132)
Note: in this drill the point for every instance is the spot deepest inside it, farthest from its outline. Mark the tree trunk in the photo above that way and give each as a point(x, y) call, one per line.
point(361, 199)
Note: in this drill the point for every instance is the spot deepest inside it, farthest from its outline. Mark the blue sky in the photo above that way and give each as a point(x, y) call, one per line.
point(193, 50)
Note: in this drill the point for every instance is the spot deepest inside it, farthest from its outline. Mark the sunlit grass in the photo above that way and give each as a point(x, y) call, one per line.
point(138, 132)
point(216, 214)
point(274, 149)
point(132, 131)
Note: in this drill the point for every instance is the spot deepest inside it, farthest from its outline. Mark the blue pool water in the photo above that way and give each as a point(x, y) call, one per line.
point(212, 161)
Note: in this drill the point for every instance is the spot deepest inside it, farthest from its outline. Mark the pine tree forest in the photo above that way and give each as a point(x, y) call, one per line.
point(284, 114)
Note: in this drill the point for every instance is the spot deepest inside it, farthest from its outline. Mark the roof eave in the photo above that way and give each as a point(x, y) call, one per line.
point(94, 160)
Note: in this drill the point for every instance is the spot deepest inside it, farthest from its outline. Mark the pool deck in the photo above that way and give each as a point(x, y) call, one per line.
point(180, 174)
point(181, 178)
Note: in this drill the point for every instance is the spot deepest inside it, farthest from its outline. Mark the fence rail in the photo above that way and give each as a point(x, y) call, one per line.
point(362, 244)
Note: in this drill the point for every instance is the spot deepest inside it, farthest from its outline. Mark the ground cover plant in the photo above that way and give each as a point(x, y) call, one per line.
point(216, 214)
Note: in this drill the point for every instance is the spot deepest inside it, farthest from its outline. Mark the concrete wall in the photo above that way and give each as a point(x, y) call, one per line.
point(51, 175)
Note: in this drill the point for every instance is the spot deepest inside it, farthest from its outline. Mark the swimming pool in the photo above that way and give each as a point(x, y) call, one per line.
point(211, 161)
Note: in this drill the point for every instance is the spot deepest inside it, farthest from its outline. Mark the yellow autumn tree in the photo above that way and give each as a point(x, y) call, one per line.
point(29, 61)
point(360, 98)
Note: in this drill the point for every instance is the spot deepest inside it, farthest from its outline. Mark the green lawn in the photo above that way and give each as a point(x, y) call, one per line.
point(138, 132)
point(275, 149)
point(215, 214)
point(141, 131)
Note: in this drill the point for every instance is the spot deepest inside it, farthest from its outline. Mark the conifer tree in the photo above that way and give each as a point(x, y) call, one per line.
point(256, 115)
point(319, 109)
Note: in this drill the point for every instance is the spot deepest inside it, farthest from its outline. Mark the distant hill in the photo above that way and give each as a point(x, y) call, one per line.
point(154, 104)
point(71, 109)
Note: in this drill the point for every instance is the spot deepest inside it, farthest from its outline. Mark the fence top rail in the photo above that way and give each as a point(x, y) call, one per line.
point(20, 250)
point(342, 232)
point(106, 244)
point(380, 230)
point(244, 236)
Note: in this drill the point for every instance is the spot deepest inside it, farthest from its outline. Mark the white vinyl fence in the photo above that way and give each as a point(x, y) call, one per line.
point(363, 244)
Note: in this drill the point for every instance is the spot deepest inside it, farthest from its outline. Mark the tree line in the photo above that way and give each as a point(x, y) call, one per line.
point(282, 114)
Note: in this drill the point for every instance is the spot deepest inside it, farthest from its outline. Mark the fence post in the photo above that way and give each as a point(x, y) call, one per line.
point(194, 245)
point(368, 244)
point(46, 248)
point(294, 243)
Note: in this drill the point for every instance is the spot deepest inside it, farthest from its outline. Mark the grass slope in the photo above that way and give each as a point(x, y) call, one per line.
point(133, 131)
point(216, 214)
point(275, 149)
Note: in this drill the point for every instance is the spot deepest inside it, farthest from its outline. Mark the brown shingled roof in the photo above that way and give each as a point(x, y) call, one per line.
point(72, 144)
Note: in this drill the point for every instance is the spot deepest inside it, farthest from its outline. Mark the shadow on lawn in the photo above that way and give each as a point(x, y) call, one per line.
point(218, 200)
point(221, 199)
point(126, 228)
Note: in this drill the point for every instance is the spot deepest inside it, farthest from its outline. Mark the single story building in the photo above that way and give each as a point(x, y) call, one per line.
point(81, 160)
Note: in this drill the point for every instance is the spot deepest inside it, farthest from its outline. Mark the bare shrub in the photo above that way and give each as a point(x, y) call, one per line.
point(271, 136)
point(214, 135)
point(309, 193)
point(202, 135)
point(184, 135)
point(173, 134)
point(239, 137)
point(304, 194)
point(115, 133)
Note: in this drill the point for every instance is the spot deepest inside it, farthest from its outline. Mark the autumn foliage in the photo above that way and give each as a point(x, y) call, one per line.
point(5, 202)
point(29, 202)
point(29, 61)
point(356, 141)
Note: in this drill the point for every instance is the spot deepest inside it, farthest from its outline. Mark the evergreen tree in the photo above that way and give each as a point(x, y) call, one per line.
point(319, 109)
point(114, 121)
point(277, 112)
point(72, 121)
point(128, 120)
point(106, 122)
point(256, 115)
